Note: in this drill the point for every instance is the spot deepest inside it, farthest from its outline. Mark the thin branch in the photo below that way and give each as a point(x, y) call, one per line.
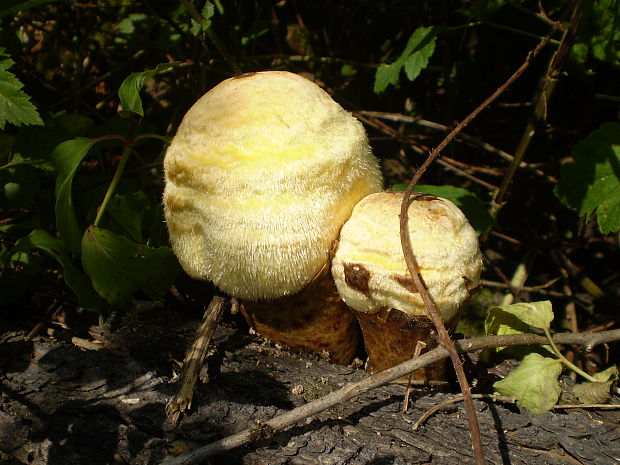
point(182, 398)
point(547, 87)
point(444, 337)
point(270, 427)
point(399, 118)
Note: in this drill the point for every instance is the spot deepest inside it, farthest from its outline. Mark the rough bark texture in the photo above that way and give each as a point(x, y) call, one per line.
point(64, 405)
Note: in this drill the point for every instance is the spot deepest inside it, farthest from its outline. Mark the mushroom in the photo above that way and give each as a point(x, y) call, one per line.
point(264, 170)
point(372, 278)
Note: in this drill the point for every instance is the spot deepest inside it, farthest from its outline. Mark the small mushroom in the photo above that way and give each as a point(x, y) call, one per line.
point(372, 278)
point(264, 170)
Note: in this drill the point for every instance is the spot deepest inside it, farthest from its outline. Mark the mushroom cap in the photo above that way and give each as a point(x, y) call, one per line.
point(262, 173)
point(370, 271)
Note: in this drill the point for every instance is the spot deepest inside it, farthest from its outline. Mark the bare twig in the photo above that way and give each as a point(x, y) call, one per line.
point(182, 398)
point(505, 400)
point(393, 133)
point(399, 118)
point(540, 110)
point(444, 337)
point(271, 427)
point(458, 398)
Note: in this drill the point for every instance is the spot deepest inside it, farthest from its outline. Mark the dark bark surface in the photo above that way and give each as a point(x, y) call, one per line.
point(64, 405)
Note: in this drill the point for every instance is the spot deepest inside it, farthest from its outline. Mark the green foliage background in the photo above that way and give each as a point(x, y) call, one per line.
point(91, 91)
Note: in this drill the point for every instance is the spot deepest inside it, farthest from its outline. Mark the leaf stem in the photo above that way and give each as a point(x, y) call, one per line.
point(565, 361)
point(164, 139)
point(115, 180)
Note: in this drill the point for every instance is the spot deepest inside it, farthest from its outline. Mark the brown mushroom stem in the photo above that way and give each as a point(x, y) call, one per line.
point(391, 337)
point(312, 320)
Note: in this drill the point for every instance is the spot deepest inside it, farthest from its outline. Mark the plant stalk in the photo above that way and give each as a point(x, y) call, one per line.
point(115, 180)
point(567, 362)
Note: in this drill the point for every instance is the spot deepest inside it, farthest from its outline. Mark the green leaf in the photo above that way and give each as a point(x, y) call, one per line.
point(608, 374)
point(591, 184)
point(129, 92)
point(467, 201)
point(127, 210)
point(119, 267)
point(15, 106)
point(20, 183)
point(598, 35)
point(420, 48)
point(414, 59)
point(75, 279)
point(386, 75)
point(67, 157)
point(207, 13)
point(534, 383)
point(516, 318)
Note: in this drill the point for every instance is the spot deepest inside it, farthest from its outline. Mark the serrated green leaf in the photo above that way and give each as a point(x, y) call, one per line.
point(534, 383)
point(508, 319)
point(593, 392)
point(129, 91)
point(119, 267)
point(67, 157)
point(15, 105)
point(414, 59)
point(386, 75)
point(591, 184)
point(75, 279)
point(419, 49)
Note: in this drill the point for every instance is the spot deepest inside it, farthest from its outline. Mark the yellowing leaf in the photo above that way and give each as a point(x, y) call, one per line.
point(593, 393)
point(534, 383)
point(515, 318)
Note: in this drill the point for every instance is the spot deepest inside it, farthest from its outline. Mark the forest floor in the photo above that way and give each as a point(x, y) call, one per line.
point(63, 402)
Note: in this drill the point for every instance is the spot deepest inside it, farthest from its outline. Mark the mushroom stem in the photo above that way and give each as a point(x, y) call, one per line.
point(312, 320)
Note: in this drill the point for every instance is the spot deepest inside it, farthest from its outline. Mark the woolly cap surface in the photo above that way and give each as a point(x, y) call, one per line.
point(369, 268)
point(262, 173)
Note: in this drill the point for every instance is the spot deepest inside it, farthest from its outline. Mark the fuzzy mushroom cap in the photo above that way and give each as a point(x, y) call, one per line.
point(262, 173)
point(369, 268)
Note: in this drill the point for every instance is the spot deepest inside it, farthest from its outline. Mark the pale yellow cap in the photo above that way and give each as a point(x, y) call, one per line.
point(369, 268)
point(262, 173)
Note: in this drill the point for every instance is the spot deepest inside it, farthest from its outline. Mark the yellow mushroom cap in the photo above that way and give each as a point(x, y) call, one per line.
point(262, 173)
point(369, 268)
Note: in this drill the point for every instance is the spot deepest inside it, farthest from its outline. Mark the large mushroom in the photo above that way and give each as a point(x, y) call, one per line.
point(371, 274)
point(263, 172)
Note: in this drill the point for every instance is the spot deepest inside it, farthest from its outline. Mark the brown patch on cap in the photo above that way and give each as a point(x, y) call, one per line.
point(406, 282)
point(423, 197)
point(356, 276)
point(244, 75)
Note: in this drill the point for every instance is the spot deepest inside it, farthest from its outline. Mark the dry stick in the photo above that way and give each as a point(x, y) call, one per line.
point(444, 337)
point(271, 427)
point(504, 400)
point(540, 110)
point(182, 398)
point(399, 118)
